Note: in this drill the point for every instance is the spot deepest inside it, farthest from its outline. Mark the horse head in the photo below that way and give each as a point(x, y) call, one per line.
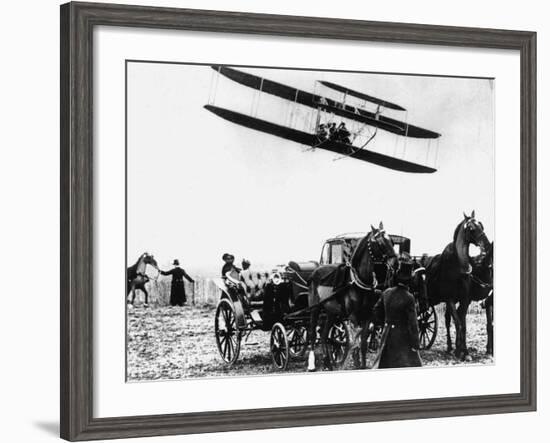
point(376, 248)
point(149, 259)
point(469, 232)
point(380, 244)
point(473, 232)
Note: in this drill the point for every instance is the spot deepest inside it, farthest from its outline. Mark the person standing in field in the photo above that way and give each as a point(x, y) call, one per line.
point(177, 289)
point(397, 308)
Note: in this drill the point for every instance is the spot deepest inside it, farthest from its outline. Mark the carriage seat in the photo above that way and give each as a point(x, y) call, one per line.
point(253, 283)
point(300, 275)
point(304, 269)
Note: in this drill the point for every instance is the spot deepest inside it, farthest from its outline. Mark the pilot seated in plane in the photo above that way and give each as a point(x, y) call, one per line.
point(342, 134)
point(332, 131)
point(322, 133)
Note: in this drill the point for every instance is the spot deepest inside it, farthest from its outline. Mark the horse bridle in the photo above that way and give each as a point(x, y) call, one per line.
point(383, 260)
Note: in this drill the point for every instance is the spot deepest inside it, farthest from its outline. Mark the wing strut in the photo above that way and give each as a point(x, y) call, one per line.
point(359, 149)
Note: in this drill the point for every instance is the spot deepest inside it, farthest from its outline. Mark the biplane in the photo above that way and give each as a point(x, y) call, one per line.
point(323, 105)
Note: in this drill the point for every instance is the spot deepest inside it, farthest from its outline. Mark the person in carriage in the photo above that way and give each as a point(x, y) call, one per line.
point(230, 272)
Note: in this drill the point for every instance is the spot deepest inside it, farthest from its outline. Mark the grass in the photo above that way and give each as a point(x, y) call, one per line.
point(174, 343)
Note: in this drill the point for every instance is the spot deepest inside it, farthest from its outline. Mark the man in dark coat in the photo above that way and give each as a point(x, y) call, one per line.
point(400, 338)
point(229, 267)
point(177, 290)
point(342, 134)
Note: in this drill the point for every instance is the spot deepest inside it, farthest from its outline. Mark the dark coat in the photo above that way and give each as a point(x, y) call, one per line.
point(177, 290)
point(400, 339)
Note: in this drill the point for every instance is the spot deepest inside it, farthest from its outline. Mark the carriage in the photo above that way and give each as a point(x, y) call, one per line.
point(274, 302)
point(339, 249)
point(277, 302)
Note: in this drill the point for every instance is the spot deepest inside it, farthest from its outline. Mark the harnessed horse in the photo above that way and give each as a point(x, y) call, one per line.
point(482, 290)
point(355, 295)
point(449, 278)
point(136, 276)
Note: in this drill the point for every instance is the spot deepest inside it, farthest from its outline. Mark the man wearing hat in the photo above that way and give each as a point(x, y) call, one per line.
point(397, 308)
point(229, 267)
point(177, 290)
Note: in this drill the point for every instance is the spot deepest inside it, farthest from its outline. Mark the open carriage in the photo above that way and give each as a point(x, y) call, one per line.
point(275, 302)
point(278, 302)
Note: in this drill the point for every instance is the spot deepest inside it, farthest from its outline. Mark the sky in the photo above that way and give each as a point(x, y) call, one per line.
point(199, 186)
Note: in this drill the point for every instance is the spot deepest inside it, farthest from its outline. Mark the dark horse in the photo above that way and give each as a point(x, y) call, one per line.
point(349, 291)
point(136, 277)
point(482, 289)
point(449, 278)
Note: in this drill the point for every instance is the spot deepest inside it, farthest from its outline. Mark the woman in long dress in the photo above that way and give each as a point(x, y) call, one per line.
point(177, 289)
point(400, 339)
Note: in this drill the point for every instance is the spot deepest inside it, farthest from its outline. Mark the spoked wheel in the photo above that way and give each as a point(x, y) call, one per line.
point(228, 337)
point(427, 327)
point(338, 343)
point(279, 346)
point(297, 341)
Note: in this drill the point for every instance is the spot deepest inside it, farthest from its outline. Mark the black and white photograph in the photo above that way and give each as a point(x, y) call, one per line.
point(299, 221)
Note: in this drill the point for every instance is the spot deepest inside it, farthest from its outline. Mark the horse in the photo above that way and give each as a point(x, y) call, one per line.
point(136, 277)
point(449, 278)
point(482, 290)
point(349, 291)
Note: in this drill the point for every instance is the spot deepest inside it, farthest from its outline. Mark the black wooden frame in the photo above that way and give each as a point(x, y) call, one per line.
point(77, 23)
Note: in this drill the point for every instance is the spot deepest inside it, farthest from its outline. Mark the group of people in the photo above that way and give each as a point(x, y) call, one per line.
point(329, 131)
point(230, 269)
point(177, 287)
point(395, 310)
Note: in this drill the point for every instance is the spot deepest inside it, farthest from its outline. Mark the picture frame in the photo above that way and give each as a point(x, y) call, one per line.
point(77, 219)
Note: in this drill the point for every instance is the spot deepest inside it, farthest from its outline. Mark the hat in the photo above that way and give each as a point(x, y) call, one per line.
point(405, 269)
point(176, 262)
point(227, 256)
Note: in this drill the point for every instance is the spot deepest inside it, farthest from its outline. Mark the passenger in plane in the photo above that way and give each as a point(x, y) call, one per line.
point(342, 134)
point(322, 133)
point(332, 131)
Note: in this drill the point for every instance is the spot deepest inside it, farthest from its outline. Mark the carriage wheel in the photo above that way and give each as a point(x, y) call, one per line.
point(338, 343)
point(427, 327)
point(279, 346)
point(228, 336)
point(297, 341)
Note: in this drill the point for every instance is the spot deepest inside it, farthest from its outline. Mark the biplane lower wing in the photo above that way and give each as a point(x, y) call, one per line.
point(316, 101)
point(308, 139)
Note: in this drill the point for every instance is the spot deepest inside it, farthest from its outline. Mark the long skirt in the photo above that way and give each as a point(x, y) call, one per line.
point(395, 351)
point(177, 293)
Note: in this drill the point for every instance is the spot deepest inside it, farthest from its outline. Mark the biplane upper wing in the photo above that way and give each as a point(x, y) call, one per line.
point(362, 96)
point(311, 140)
point(316, 101)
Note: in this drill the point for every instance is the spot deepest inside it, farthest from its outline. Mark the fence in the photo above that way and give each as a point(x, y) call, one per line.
point(206, 292)
point(203, 292)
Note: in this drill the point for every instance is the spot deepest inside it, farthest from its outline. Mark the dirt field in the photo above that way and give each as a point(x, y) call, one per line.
point(174, 342)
